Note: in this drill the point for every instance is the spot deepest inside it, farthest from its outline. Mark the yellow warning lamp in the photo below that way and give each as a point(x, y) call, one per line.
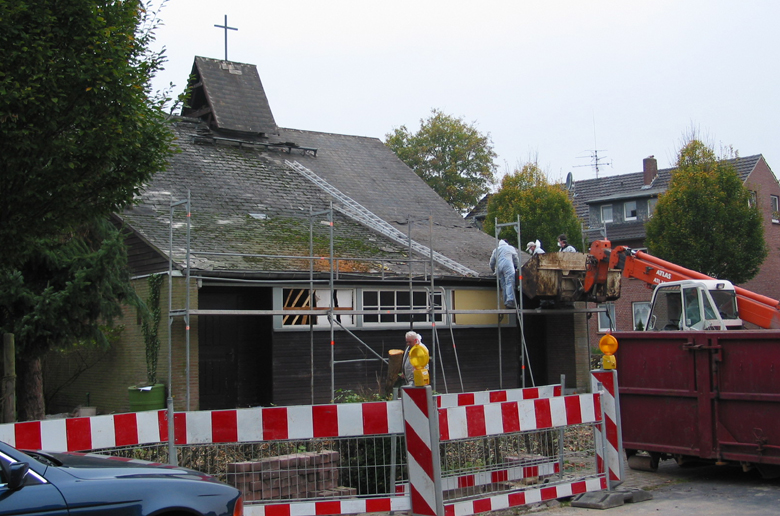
point(608, 345)
point(418, 357)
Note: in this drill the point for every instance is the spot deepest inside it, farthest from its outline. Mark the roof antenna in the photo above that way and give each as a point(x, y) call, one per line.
point(226, 29)
point(595, 160)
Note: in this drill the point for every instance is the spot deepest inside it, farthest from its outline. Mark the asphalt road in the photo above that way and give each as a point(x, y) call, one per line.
point(708, 490)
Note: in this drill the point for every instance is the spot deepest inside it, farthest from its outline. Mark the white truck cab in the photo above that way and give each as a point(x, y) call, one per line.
point(694, 305)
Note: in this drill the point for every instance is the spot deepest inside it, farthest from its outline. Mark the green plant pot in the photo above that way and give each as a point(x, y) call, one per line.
point(152, 399)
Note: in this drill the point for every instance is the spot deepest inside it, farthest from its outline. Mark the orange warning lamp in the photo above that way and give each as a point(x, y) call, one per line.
point(419, 358)
point(608, 344)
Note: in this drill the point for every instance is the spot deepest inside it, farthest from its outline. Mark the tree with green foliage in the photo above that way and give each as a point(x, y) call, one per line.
point(706, 220)
point(80, 131)
point(544, 208)
point(453, 157)
point(62, 294)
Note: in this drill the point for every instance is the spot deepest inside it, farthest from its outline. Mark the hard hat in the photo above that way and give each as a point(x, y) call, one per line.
point(528, 246)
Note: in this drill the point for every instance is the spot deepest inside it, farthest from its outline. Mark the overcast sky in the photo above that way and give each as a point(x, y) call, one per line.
point(551, 80)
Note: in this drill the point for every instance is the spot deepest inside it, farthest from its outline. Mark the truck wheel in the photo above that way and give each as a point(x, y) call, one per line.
point(644, 462)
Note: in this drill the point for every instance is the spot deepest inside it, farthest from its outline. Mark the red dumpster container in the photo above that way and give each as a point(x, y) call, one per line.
point(708, 395)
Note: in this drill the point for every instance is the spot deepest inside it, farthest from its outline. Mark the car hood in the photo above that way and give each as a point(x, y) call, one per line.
point(88, 466)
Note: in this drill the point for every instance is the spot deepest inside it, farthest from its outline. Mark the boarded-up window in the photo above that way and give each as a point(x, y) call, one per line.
point(298, 300)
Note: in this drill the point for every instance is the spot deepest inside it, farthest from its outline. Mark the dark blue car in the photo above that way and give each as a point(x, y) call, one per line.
point(70, 483)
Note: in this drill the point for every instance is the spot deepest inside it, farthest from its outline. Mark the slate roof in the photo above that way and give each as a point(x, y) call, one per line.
point(233, 96)
point(246, 200)
point(631, 186)
point(627, 186)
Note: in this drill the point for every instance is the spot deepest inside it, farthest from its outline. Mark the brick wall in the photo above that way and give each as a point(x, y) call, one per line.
point(106, 374)
point(764, 183)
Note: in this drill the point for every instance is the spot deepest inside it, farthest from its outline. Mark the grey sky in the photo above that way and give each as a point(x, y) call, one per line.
point(547, 79)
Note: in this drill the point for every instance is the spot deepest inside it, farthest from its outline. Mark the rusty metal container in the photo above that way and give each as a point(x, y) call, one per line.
point(712, 395)
point(561, 276)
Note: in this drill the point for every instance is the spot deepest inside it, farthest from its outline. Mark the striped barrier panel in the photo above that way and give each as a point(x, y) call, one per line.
point(610, 436)
point(524, 497)
point(422, 451)
point(205, 427)
point(518, 416)
point(501, 475)
point(543, 469)
point(485, 397)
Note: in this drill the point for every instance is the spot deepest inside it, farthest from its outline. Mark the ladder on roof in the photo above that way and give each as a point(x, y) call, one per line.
point(358, 212)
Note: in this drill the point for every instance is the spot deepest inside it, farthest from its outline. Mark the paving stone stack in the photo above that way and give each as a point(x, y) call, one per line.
point(293, 476)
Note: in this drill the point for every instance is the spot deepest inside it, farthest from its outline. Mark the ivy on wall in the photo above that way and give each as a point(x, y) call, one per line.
point(151, 326)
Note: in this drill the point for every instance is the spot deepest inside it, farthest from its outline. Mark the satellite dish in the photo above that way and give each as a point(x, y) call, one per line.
point(569, 181)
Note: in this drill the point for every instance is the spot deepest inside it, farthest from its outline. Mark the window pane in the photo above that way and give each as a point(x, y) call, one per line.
point(387, 299)
point(606, 213)
point(651, 206)
point(630, 210)
point(369, 298)
point(641, 312)
point(604, 320)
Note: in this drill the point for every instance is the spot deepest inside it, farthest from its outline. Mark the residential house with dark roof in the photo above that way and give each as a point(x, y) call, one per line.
point(265, 225)
point(619, 206)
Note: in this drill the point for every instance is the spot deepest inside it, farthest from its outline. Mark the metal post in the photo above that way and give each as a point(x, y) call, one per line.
point(187, 297)
point(311, 300)
point(409, 234)
point(500, 316)
point(9, 378)
point(173, 457)
point(330, 314)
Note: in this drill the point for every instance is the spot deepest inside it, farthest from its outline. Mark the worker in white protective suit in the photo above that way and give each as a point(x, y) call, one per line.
point(533, 248)
point(504, 263)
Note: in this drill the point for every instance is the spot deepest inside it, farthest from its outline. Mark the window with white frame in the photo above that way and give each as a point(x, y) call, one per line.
point(651, 206)
point(641, 311)
point(606, 213)
point(607, 319)
point(387, 302)
point(629, 210)
point(774, 202)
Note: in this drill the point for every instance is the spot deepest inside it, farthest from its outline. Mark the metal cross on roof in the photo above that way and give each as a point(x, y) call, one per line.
point(226, 29)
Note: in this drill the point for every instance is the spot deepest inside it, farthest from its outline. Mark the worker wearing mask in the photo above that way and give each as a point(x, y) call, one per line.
point(533, 248)
point(564, 246)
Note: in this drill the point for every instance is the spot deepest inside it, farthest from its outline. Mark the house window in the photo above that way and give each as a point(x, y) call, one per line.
point(386, 302)
point(298, 299)
point(641, 311)
point(629, 210)
point(607, 319)
point(651, 206)
point(774, 201)
point(753, 197)
point(606, 213)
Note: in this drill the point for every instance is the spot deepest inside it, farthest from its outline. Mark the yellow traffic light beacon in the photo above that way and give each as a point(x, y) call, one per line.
point(419, 358)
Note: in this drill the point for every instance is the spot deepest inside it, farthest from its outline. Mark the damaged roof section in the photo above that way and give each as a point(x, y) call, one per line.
point(230, 97)
point(253, 186)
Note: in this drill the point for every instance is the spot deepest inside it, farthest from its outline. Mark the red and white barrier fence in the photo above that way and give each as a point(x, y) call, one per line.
point(425, 420)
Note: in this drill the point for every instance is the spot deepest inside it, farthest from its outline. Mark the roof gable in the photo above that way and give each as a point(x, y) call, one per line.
point(229, 96)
